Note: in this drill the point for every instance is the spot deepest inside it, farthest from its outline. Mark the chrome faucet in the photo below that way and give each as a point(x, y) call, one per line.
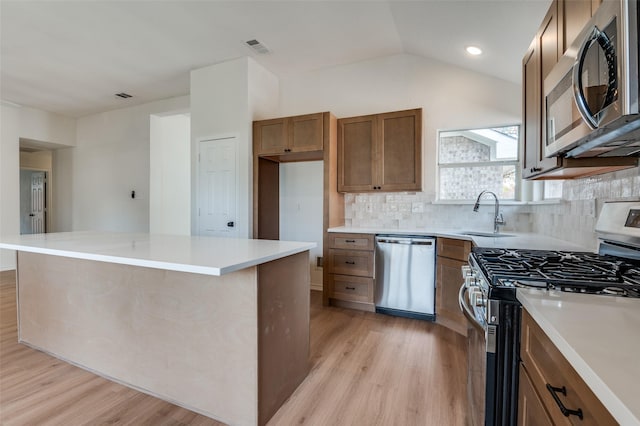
point(498, 219)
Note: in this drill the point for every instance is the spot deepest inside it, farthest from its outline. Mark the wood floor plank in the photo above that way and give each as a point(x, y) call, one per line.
point(366, 369)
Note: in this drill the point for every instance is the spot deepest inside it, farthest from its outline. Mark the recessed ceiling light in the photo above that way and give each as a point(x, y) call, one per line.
point(473, 50)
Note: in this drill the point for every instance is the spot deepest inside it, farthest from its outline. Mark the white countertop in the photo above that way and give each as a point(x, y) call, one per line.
point(600, 337)
point(200, 255)
point(517, 240)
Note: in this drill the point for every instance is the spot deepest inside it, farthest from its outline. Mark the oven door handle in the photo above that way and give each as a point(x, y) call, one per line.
point(596, 35)
point(466, 310)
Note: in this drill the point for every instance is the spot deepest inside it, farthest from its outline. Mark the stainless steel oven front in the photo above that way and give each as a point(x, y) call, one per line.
point(493, 336)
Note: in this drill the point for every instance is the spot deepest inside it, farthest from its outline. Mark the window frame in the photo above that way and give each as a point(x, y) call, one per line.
point(517, 192)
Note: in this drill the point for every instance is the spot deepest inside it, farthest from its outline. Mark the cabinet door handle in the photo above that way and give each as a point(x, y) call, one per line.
point(349, 241)
point(536, 169)
point(567, 412)
point(350, 262)
point(350, 288)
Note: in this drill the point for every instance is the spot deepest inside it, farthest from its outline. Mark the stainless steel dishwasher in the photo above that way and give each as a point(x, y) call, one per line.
point(405, 276)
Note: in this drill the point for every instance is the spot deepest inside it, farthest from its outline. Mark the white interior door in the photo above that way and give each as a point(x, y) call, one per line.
point(217, 187)
point(37, 202)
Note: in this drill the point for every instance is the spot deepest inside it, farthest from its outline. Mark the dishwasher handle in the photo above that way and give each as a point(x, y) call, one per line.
point(407, 241)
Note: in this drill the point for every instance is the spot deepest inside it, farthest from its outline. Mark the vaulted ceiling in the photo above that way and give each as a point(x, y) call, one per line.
point(72, 57)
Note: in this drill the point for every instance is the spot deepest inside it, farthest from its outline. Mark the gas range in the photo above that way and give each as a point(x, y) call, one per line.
point(504, 270)
point(488, 300)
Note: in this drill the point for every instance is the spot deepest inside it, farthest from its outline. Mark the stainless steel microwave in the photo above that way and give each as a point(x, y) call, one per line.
point(591, 95)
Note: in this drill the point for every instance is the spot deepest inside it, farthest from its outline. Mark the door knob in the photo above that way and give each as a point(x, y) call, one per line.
point(230, 224)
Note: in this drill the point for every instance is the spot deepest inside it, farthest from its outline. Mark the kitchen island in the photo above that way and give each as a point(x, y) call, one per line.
point(219, 326)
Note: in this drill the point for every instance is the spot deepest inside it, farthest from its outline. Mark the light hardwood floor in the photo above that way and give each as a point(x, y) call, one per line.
point(366, 369)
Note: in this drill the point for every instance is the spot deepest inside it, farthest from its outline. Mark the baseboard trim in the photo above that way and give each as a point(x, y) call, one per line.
point(316, 286)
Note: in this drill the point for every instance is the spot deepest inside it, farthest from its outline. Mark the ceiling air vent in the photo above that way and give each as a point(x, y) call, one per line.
point(258, 47)
point(123, 95)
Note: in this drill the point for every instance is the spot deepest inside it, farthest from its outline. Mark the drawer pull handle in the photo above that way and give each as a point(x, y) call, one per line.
point(350, 262)
point(349, 241)
point(567, 412)
point(350, 288)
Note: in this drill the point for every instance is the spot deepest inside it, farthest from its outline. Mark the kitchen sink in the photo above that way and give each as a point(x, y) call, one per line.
point(486, 234)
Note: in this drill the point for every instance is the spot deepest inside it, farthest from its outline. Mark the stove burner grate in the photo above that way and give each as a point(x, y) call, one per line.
point(579, 272)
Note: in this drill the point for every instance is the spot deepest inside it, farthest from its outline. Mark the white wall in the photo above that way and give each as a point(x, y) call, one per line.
point(27, 123)
point(47, 127)
point(223, 100)
point(62, 173)
point(263, 93)
point(9, 179)
point(170, 175)
point(451, 97)
point(111, 159)
point(301, 198)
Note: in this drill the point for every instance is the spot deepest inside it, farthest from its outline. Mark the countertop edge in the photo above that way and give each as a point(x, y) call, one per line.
point(616, 407)
point(159, 264)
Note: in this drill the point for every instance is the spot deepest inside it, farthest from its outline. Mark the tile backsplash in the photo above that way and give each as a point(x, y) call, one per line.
point(417, 210)
point(572, 218)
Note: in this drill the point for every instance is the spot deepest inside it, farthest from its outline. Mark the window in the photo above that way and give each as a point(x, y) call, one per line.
point(470, 161)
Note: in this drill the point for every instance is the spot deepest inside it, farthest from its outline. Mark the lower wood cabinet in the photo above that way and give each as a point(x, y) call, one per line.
point(451, 256)
point(531, 411)
point(356, 289)
point(351, 262)
point(550, 385)
point(351, 270)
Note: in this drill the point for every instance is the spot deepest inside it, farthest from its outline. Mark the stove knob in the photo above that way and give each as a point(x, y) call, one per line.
point(466, 270)
point(481, 301)
point(477, 298)
point(470, 281)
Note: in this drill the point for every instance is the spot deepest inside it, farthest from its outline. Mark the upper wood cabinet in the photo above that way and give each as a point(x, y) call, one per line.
point(540, 58)
point(380, 152)
point(302, 133)
point(575, 14)
point(560, 26)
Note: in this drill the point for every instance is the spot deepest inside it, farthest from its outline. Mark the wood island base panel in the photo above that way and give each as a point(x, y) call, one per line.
point(231, 347)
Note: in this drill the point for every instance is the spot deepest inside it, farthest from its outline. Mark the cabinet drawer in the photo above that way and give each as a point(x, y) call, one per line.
point(354, 289)
point(351, 262)
point(547, 367)
point(351, 241)
point(454, 249)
